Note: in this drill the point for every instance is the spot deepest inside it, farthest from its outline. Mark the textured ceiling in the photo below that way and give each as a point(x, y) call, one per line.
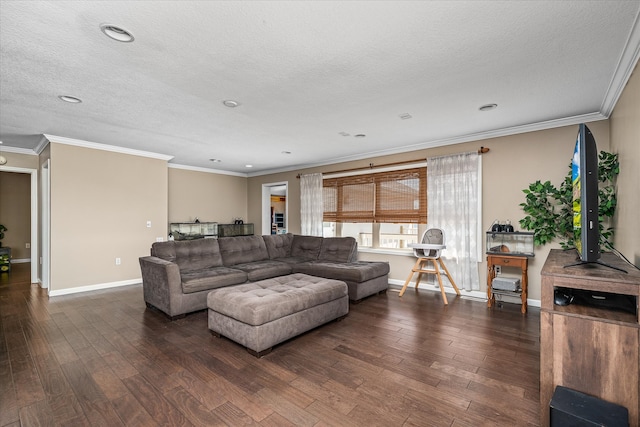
point(304, 72)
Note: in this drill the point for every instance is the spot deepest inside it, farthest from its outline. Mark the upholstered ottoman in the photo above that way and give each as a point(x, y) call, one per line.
point(262, 314)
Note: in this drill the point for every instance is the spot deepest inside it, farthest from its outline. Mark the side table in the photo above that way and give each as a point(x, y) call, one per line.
point(520, 262)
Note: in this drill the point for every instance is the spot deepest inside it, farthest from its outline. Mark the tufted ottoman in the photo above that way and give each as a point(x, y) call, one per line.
point(262, 314)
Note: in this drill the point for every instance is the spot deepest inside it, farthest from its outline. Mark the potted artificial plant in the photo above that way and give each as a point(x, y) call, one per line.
point(550, 210)
point(2, 230)
point(4, 257)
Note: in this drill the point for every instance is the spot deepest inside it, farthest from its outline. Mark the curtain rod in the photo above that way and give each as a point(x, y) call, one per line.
point(481, 150)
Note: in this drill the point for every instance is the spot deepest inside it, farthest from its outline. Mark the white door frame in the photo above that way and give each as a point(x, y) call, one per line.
point(34, 216)
point(45, 237)
point(266, 205)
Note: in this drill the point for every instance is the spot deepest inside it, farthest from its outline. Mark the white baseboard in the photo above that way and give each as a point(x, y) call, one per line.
point(470, 294)
point(96, 287)
point(394, 283)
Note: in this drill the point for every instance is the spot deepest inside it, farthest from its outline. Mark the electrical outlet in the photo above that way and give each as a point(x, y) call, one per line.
point(498, 269)
point(27, 245)
point(148, 224)
point(118, 261)
point(159, 239)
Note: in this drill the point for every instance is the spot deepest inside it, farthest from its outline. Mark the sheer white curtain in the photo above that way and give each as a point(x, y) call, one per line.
point(311, 209)
point(453, 186)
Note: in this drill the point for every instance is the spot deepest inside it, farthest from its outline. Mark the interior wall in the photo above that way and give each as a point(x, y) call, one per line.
point(15, 213)
point(100, 204)
point(209, 196)
point(254, 201)
point(625, 141)
point(512, 164)
point(102, 200)
point(20, 160)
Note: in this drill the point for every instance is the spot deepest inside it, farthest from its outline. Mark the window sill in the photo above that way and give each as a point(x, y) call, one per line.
point(386, 251)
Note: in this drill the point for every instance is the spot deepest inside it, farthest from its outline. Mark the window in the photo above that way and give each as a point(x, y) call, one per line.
point(380, 210)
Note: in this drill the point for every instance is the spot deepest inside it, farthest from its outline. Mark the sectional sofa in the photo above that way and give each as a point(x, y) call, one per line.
point(178, 275)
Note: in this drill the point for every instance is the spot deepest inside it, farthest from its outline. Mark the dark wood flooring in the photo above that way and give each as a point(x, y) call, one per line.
point(103, 358)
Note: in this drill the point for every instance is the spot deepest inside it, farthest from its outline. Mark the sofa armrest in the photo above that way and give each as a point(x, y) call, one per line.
point(161, 284)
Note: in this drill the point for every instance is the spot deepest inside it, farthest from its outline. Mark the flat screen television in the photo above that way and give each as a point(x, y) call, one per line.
point(584, 176)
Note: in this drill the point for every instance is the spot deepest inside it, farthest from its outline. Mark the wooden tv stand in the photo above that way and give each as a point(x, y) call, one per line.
point(592, 350)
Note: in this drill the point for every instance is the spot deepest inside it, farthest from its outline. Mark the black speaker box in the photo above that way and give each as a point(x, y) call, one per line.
point(570, 408)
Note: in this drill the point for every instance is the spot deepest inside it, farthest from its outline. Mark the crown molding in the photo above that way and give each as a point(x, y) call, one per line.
point(27, 151)
point(514, 130)
point(105, 147)
point(624, 69)
point(207, 170)
point(41, 145)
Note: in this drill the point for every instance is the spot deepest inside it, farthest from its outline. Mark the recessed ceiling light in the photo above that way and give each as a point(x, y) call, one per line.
point(360, 135)
point(343, 133)
point(248, 166)
point(70, 99)
point(215, 160)
point(405, 116)
point(286, 152)
point(488, 107)
point(117, 33)
point(231, 103)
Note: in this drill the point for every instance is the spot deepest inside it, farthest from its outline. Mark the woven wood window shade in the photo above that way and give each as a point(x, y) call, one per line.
point(395, 197)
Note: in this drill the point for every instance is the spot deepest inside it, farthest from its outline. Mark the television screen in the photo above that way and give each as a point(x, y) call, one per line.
point(584, 176)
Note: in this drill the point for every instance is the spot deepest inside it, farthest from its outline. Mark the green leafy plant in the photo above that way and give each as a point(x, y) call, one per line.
point(2, 230)
point(549, 210)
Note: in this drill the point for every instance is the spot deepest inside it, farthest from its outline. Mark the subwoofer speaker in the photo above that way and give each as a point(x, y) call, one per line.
point(570, 408)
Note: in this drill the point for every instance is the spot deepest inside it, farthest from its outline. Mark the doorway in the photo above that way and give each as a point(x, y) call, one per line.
point(275, 207)
point(34, 216)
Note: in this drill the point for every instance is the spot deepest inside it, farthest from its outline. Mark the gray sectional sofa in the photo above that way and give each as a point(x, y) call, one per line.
point(178, 275)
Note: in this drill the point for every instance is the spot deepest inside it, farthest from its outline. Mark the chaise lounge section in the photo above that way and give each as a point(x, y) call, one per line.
point(178, 275)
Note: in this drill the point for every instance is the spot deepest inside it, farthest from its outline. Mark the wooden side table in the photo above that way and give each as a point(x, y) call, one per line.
point(5, 259)
point(520, 262)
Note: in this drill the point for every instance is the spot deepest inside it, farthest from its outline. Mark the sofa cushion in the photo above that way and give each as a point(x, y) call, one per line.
point(306, 247)
point(164, 250)
point(189, 254)
point(278, 245)
point(259, 270)
point(267, 300)
point(355, 272)
point(339, 249)
point(242, 249)
point(211, 278)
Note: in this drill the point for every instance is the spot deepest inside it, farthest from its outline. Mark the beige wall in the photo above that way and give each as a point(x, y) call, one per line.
point(208, 196)
point(512, 164)
point(100, 204)
point(19, 160)
point(625, 141)
point(254, 200)
point(15, 212)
